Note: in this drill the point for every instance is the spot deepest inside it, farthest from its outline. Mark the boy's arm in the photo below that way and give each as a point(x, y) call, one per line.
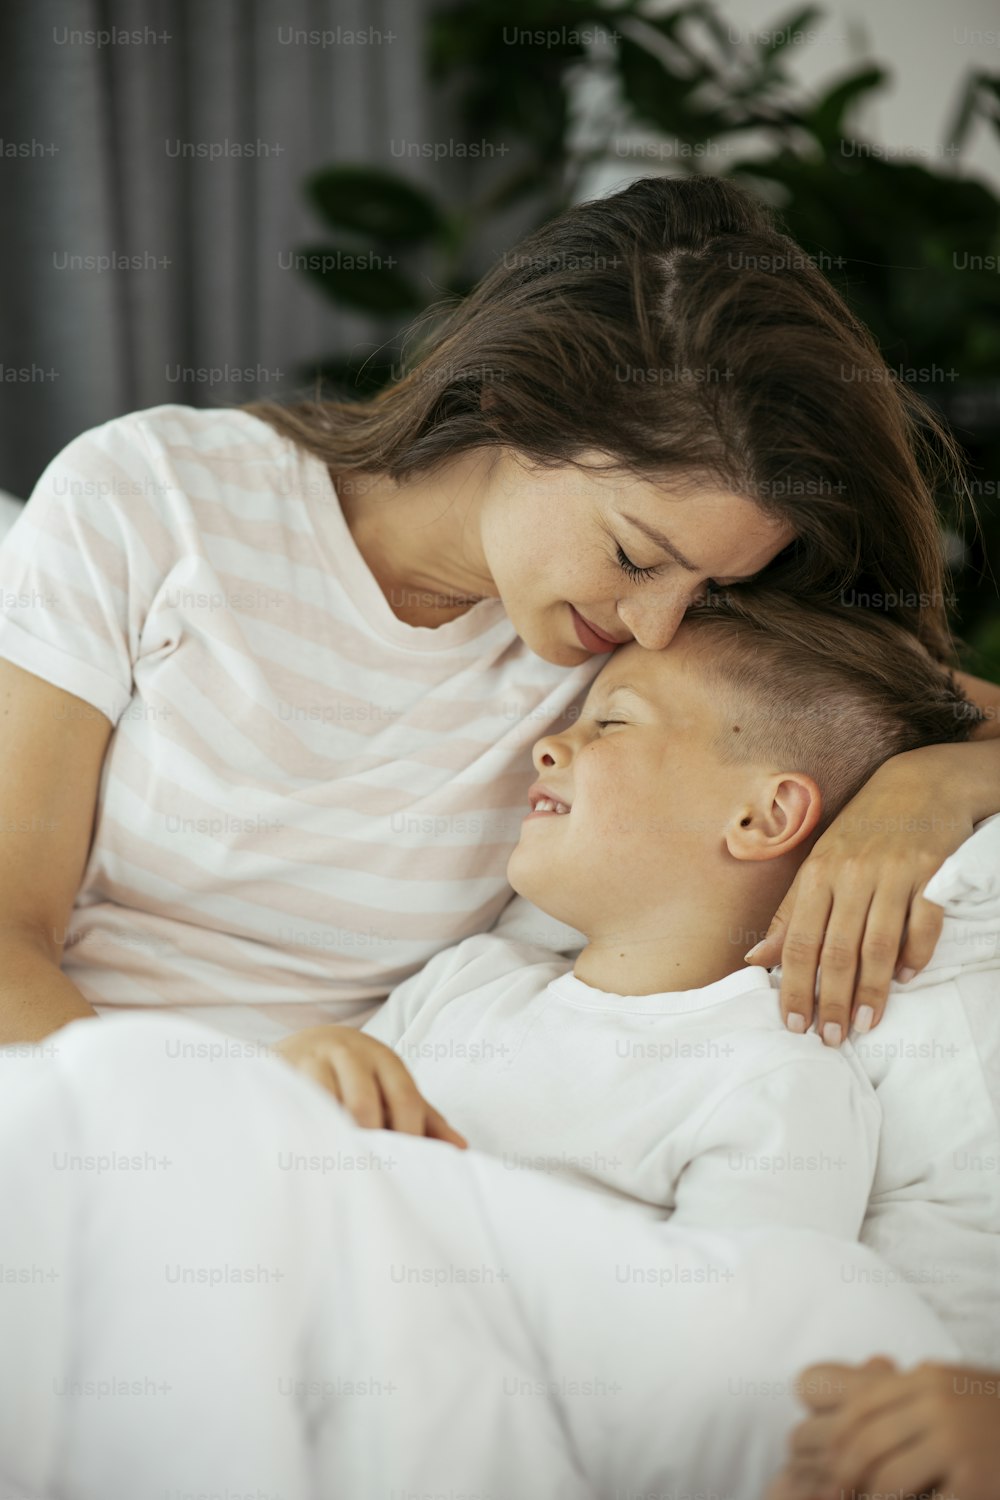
point(795, 1145)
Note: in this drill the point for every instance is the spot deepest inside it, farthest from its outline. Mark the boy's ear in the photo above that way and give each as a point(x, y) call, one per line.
point(781, 815)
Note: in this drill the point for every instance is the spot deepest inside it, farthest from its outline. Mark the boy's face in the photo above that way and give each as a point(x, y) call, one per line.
point(650, 801)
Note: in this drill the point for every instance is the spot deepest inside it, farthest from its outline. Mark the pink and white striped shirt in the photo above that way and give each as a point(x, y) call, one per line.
point(303, 798)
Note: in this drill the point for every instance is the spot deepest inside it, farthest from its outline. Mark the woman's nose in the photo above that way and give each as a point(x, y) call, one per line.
point(653, 622)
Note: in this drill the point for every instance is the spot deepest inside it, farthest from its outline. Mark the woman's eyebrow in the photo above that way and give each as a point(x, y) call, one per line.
point(662, 541)
point(668, 546)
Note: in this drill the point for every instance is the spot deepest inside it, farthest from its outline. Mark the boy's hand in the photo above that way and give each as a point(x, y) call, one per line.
point(876, 1430)
point(370, 1081)
point(856, 910)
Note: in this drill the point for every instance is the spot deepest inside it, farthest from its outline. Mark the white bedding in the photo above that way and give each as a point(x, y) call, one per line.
point(934, 1213)
point(230, 1289)
point(934, 1061)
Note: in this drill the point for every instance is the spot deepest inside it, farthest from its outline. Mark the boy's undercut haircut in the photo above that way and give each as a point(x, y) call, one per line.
point(829, 690)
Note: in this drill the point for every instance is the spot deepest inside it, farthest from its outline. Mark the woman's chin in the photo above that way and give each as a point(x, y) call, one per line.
point(544, 632)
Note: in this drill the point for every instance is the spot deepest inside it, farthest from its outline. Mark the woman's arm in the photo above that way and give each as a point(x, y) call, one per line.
point(855, 913)
point(52, 748)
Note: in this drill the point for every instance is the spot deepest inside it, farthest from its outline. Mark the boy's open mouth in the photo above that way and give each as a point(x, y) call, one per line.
point(544, 803)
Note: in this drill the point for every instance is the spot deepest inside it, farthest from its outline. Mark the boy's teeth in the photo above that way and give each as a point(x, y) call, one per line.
point(545, 804)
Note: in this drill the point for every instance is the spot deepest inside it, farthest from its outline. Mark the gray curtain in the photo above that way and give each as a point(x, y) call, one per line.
point(100, 172)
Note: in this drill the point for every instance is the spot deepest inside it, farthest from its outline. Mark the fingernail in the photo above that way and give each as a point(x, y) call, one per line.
point(864, 1018)
point(795, 1021)
point(832, 1034)
point(905, 975)
point(755, 949)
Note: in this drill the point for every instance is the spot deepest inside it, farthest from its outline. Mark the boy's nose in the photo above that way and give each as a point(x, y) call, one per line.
point(550, 751)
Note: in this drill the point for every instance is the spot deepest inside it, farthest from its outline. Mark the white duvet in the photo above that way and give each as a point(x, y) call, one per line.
point(213, 1284)
point(228, 1289)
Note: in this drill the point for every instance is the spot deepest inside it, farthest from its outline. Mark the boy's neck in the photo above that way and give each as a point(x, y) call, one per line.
point(679, 947)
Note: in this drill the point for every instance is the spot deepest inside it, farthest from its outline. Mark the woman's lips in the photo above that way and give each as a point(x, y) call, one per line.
point(589, 636)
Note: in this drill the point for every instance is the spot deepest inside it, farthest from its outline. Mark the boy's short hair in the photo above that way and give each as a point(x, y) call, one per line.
point(829, 690)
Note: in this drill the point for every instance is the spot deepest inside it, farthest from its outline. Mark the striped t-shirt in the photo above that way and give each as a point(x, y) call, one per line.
point(303, 798)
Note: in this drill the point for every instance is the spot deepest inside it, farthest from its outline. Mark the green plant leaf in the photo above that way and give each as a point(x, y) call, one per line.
point(374, 203)
point(783, 32)
point(826, 120)
point(965, 112)
point(661, 98)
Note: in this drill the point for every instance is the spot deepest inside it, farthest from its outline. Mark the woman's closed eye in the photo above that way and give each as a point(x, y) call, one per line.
point(632, 569)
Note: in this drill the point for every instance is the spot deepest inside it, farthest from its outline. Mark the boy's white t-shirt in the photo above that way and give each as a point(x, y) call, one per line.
point(697, 1103)
point(303, 798)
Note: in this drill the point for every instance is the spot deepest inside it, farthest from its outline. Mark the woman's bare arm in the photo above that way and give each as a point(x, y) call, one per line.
point(52, 748)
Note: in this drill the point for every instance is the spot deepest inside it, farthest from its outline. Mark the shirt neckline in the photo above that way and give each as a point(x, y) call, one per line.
point(668, 1002)
point(342, 557)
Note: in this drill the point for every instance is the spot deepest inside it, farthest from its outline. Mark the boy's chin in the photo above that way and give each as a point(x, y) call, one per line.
point(519, 876)
point(541, 885)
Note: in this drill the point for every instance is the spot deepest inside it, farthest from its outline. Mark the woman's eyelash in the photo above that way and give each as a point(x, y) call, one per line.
point(631, 568)
point(603, 723)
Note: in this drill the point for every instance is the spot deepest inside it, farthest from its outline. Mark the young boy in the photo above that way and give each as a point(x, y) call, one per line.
point(666, 825)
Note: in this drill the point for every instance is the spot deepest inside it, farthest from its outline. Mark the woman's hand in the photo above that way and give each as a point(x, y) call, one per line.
point(370, 1081)
point(856, 909)
point(874, 1430)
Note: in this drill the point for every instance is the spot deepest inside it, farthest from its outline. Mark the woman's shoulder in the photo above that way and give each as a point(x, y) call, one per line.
point(196, 429)
point(177, 455)
point(173, 435)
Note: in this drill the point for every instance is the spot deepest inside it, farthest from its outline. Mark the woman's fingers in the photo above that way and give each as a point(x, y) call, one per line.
point(767, 952)
point(915, 1470)
point(809, 1442)
point(875, 1445)
point(825, 1386)
point(405, 1107)
point(840, 955)
point(369, 1079)
point(924, 929)
point(800, 954)
point(797, 1482)
point(440, 1130)
point(855, 936)
point(358, 1090)
point(408, 1111)
point(320, 1071)
point(880, 948)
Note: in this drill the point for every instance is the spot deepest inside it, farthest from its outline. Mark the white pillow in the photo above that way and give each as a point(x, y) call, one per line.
point(934, 1213)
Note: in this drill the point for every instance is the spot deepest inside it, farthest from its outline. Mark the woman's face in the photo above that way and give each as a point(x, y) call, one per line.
point(586, 561)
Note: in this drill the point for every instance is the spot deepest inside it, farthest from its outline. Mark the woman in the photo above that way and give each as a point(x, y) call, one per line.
point(268, 704)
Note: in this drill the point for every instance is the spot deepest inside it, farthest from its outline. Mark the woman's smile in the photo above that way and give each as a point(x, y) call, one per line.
point(590, 637)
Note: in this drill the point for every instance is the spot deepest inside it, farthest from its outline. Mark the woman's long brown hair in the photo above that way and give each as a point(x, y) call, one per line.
point(672, 327)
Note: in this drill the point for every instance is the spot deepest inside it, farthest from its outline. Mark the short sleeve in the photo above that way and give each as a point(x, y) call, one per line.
point(81, 564)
